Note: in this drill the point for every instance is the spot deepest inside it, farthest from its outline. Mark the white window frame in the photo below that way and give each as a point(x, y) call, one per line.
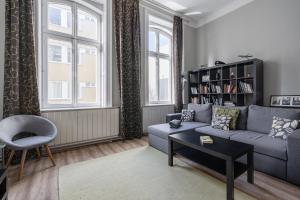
point(75, 40)
point(167, 32)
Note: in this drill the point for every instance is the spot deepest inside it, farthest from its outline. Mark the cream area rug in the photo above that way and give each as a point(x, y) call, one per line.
point(139, 174)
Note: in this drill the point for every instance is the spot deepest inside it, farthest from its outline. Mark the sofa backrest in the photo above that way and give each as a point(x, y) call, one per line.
point(260, 118)
point(203, 112)
point(242, 119)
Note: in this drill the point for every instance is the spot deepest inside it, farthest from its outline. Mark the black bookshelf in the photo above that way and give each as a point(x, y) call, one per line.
point(240, 83)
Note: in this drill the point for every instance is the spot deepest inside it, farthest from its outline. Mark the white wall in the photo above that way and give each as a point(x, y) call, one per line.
point(268, 29)
point(2, 44)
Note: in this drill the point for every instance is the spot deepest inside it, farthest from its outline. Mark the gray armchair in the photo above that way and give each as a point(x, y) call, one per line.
point(44, 132)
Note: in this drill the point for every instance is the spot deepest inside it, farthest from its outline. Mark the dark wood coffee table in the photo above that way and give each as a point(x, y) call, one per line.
point(221, 156)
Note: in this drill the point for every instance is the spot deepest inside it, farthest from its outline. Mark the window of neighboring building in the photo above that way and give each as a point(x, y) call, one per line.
point(71, 45)
point(159, 62)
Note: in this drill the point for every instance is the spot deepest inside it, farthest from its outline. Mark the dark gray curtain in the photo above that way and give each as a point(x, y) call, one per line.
point(128, 45)
point(20, 78)
point(177, 61)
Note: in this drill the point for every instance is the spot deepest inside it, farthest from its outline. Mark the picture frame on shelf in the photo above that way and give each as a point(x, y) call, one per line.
point(290, 101)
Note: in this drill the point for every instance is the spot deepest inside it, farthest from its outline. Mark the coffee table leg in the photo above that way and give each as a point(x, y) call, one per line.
point(250, 163)
point(170, 152)
point(230, 179)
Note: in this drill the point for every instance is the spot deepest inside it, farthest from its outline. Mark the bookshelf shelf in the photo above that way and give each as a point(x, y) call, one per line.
point(239, 83)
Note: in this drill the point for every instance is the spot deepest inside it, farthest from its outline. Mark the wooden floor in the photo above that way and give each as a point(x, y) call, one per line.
point(40, 180)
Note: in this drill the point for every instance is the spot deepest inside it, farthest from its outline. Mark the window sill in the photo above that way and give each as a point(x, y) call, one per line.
point(157, 105)
point(75, 109)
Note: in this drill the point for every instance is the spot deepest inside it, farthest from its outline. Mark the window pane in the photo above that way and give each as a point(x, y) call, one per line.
point(152, 41)
point(59, 72)
point(164, 44)
point(87, 25)
point(153, 96)
point(60, 18)
point(164, 80)
point(87, 74)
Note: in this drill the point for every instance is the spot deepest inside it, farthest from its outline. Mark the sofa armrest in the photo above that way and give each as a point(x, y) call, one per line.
point(172, 116)
point(293, 153)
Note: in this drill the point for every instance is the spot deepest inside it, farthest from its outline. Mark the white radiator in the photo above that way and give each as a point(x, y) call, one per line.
point(83, 126)
point(155, 115)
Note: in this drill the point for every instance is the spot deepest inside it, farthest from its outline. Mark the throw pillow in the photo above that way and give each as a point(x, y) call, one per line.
point(221, 122)
point(187, 115)
point(281, 127)
point(232, 112)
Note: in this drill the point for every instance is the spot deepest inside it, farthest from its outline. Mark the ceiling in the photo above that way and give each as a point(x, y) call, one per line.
point(199, 9)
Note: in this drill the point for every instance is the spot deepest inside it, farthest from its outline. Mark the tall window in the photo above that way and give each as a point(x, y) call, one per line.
point(72, 57)
point(159, 61)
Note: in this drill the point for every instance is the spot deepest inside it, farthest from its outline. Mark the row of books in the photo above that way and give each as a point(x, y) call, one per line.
point(194, 90)
point(203, 89)
point(217, 101)
point(229, 88)
point(205, 100)
point(195, 100)
point(215, 89)
point(245, 87)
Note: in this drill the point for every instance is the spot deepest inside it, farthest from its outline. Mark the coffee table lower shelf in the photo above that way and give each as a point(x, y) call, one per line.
point(214, 163)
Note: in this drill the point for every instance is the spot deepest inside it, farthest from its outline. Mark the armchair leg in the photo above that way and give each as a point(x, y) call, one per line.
point(11, 155)
point(22, 163)
point(38, 153)
point(49, 154)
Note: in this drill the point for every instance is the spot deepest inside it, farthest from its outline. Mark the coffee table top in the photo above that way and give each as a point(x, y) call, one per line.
point(221, 147)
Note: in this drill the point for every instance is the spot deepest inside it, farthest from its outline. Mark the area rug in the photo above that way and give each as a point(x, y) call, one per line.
point(139, 174)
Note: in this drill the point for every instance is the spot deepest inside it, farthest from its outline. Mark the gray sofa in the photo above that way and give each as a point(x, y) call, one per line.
point(277, 157)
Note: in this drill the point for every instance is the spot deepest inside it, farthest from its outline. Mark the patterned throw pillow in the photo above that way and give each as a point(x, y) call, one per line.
point(221, 122)
point(281, 127)
point(232, 112)
point(187, 115)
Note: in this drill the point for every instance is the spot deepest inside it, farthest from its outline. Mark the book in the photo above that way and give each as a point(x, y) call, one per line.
point(206, 140)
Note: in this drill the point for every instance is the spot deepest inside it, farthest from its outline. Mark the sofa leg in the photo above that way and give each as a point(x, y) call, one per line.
point(11, 155)
point(49, 154)
point(38, 153)
point(22, 164)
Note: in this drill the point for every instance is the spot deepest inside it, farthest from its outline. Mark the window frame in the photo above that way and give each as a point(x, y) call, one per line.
point(166, 31)
point(75, 41)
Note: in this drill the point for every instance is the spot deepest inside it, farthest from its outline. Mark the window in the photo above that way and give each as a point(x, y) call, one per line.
point(159, 62)
point(72, 65)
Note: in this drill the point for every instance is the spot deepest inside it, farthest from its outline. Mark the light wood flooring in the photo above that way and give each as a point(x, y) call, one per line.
point(40, 179)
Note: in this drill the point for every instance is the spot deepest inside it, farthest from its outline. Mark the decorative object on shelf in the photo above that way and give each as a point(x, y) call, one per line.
point(246, 56)
point(218, 62)
point(205, 78)
point(232, 75)
point(204, 66)
point(291, 101)
point(218, 75)
point(248, 75)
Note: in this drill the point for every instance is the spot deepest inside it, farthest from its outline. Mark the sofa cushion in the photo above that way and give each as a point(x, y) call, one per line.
point(164, 130)
point(221, 122)
point(282, 128)
point(232, 112)
point(263, 143)
point(203, 112)
point(260, 118)
point(208, 130)
point(241, 123)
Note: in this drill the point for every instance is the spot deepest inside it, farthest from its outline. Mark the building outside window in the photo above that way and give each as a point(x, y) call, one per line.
point(73, 56)
point(159, 61)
